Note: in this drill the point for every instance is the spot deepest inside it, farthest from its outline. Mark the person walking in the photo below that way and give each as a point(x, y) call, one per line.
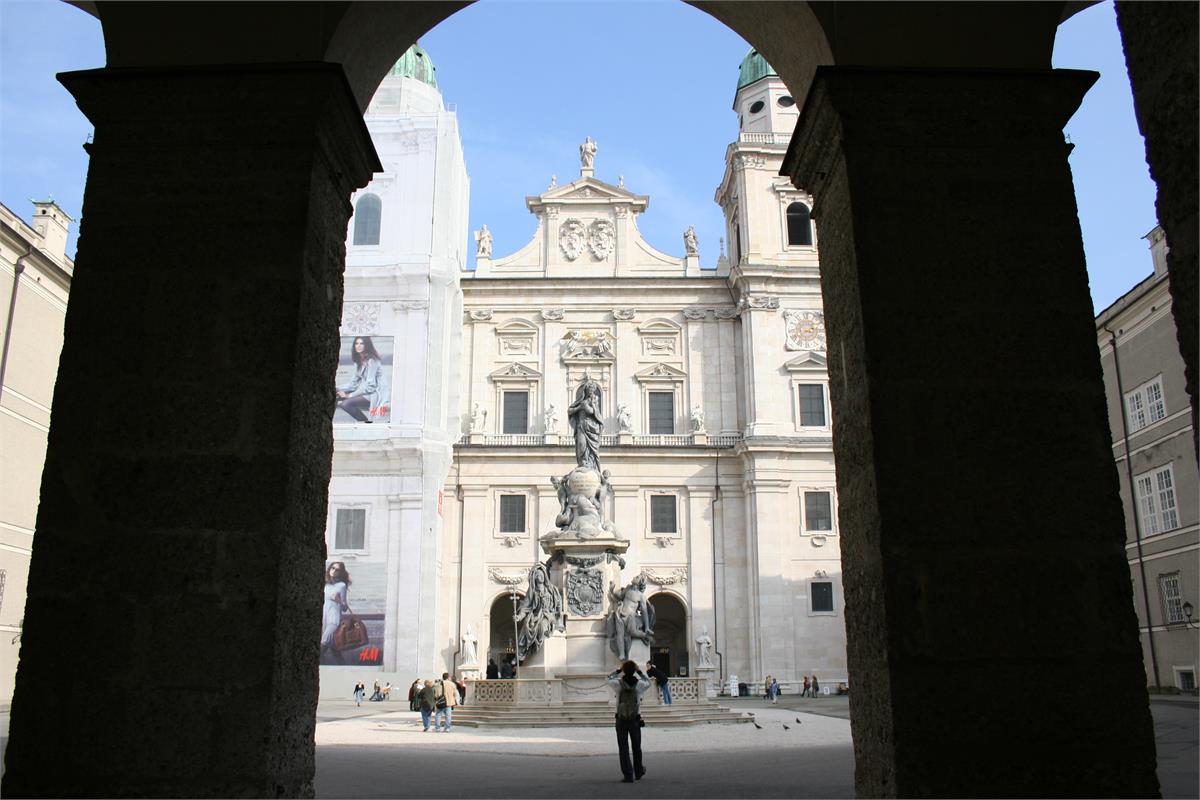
point(630, 684)
point(446, 698)
point(661, 678)
point(427, 700)
point(816, 687)
point(774, 691)
point(804, 691)
point(360, 691)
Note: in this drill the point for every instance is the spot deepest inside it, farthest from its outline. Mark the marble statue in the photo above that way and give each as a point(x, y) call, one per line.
point(551, 418)
point(624, 418)
point(478, 418)
point(587, 153)
point(704, 648)
point(483, 238)
point(631, 617)
point(586, 426)
point(697, 419)
point(553, 181)
point(470, 655)
point(540, 613)
point(620, 181)
point(689, 241)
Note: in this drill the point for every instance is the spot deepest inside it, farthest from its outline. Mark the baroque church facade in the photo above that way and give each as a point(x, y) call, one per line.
point(715, 406)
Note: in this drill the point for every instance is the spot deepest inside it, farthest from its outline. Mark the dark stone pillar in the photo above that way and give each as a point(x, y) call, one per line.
point(170, 639)
point(1161, 53)
point(993, 647)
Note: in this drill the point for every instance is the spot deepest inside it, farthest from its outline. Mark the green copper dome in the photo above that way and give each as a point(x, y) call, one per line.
point(754, 67)
point(415, 63)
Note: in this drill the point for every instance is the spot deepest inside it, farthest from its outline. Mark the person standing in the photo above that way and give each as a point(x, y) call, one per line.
point(767, 688)
point(360, 691)
point(630, 684)
point(661, 679)
point(414, 699)
point(804, 691)
point(493, 671)
point(461, 683)
point(816, 687)
point(774, 691)
point(446, 699)
point(427, 700)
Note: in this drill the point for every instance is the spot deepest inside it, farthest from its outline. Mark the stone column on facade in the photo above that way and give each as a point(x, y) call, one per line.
point(404, 580)
point(965, 387)
point(761, 325)
point(205, 669)
point(473, 584)
point(772, 625)
point(1161, 53)
point(700, 588)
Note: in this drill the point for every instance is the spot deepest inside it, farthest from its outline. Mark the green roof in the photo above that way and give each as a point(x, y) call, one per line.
point(415, 63)
point(754, 67)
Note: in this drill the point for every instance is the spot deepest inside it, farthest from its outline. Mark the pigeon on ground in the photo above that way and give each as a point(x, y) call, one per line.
point(797, 719)
point(757, 725)
point(785, 727)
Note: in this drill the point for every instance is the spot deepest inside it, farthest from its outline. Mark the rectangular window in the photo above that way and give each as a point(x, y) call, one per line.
point(1172, 599)
point(822, 596)
point(350, 530)
point(1187, 680)
point(818, 511)
point(512, 513)
point(812, 405)
point(662, 513)
point(1144, 405)
point(516, 412)
point(662, 412)
point(1156, 500)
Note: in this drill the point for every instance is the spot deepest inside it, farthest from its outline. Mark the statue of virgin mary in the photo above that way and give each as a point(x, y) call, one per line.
point(584, 415)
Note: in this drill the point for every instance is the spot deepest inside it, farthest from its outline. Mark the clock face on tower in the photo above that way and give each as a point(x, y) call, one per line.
point(805, 330)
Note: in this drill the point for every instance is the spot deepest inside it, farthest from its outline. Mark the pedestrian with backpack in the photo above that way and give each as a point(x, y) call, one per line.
point(630, 684)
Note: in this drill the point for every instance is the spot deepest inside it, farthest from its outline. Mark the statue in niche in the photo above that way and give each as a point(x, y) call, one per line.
point(540, 613)
point(587, 153)
point(470, 655)
point(689, 241)
point(586, 426)
point(704, 647)
point(624, 418)
point(631, 617)
point(478, 418)
point(483, 238)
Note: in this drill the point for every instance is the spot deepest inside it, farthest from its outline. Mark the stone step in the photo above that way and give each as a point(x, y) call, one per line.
point(593, 714)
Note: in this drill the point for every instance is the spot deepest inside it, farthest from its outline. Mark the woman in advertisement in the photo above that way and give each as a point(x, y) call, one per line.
point(365, 397)
point(337, 587)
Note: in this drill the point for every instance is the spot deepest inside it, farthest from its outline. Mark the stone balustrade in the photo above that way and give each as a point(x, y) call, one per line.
point(545, 692)
point(607, 440)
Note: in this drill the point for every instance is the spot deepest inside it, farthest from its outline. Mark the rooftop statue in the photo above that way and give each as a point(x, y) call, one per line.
point(587, 153)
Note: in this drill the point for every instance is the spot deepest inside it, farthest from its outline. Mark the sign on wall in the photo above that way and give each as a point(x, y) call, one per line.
point(352, 622)
point(364, 380)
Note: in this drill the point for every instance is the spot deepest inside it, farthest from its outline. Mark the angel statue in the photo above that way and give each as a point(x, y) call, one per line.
point(540, 612)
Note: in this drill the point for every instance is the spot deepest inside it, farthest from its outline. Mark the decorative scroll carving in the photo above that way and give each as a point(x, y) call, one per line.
point(602, 238)
point(361, 318)
point(552, 313)
point(695, 313)
point(500, 577)
point(511, 541)
point(571, 238)
point(623, 313)
point(664, 541)
point(725, 313)
point(585, 591)
point(765, 302)
point(678, 575)
point(480, 314)
point(805, 330)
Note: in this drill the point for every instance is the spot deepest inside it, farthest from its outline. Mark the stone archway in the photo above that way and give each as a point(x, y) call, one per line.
point(948, 334)
point(501, 641)
point(670, 649)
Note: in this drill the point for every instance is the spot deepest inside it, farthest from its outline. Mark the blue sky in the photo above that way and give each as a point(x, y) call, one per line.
point(651, 82)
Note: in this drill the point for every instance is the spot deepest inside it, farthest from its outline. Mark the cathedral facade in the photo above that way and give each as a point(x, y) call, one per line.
point(715, 409)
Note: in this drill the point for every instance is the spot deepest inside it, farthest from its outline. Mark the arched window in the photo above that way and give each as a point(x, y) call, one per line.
point(366, 219)
point(799, 226)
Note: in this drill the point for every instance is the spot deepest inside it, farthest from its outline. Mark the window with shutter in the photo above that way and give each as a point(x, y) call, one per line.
point(512, 513)
point(367, 215)
point(662, 412)
point(662, 514)
point(1172, 598)
point(822, 596)
point(350, 529)
point(812, 405)
point(818, 511)
point(516, 412)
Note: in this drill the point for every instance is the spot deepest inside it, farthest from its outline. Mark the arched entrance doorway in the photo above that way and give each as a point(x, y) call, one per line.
point(502, 636)
point(669, 651)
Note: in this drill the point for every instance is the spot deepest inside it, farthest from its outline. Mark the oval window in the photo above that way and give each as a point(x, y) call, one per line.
point(756, 107)
point(786, 101)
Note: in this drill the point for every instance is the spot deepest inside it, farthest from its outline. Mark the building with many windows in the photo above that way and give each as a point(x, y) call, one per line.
point(717, 426)
point(1150, 418)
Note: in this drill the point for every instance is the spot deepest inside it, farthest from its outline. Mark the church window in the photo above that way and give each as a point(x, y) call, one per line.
point(512, 513)
point(662, 412)
point(818, 512)
point(350, 529)
point(662, 514)
point(516, 412)
point(786, 101)
point(812, 405)
point(799, 225)
point(757, 106)
point(1156, 500)
point(367, 216)
point(821, 594)
point(1145, 405)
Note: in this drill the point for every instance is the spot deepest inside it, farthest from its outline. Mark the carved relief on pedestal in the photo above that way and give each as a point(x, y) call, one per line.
point(585, 592)
point(805, 330)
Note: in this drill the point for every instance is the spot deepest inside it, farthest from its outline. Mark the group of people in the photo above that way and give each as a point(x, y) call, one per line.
point(504, 671)
point(772, 689)
point(378, 694)
point(810, 689)
point(436, 700)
